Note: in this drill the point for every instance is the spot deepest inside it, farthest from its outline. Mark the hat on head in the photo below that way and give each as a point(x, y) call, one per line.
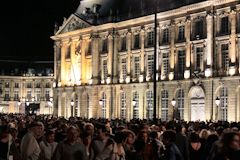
point(35, 124)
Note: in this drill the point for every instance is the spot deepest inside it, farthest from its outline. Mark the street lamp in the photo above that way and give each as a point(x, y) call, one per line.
point(174, 102)
point(33, 99)
point(174, 109)
point(217, 101)
point(100, 102)
point(27, 103)
point(72, 104)
point(134, 102)
point(19, 103)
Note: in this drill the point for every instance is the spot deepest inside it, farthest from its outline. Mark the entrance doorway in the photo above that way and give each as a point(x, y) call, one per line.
point(197, 104)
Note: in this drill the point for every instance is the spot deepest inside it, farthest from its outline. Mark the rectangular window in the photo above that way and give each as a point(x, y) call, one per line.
point(68, 52)
point(123, 105)
point(16, 85)
point(181, 33)
point(165, 64)
point(7, 85)
point(150, 66)
point(165, 36)
point(180, 103)
point(199, 58)
point(136, 67)
point(38, 95)
point(181, 63)
point(29, 85)
point(164, 105)
point(38, 85)
point(225, 57)
point(16, 95)
point(47, 85)
point(104, 69)
point(136, 41)
point(104, 45)
point(47, 95)
point(224, 103)
point(124, 44)
point(29, 95)
point(7, 96)
point(224, 25)
point(124, 68)
point(150, 40)
point(136, 105)
point(198, 29)
point(149, 104)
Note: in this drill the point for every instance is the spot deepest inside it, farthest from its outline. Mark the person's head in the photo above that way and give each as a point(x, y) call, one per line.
point(89, 128)
point(72, 134)
point(36, 128)
point(194, 137)
point(50, 136)
point(179, 128)
point(231, 140)
point(204, 134)
point(130, 137)
point(101, 132)
point(154, 135)
point(119, 137)
point(14, 132)
point(168, 136)
point(4, 132)
point(143, 136)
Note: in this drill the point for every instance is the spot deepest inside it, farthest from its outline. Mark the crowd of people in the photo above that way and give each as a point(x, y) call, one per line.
point(45, 137)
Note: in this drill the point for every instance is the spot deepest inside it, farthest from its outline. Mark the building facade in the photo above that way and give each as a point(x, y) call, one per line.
point(26, 93)
point(106, 69)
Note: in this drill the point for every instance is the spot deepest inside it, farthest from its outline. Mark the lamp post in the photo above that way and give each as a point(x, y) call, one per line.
point(174, 110)
point(19, 104)
point(50, 104)
point(72, 104)
point(100, 102)
point(217, 101)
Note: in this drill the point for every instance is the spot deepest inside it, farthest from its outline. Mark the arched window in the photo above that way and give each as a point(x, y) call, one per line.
point(223, 103)
point(104, 99)
point(149, 101)
point(136, 105)
point(180, 103)
point(164, 105)
point(123, 105)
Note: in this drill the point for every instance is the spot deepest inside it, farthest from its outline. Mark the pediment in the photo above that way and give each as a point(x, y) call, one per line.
point(71, 24)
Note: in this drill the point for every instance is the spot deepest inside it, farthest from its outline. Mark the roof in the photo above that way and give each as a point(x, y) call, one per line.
point(19, 68)
point(103, 11)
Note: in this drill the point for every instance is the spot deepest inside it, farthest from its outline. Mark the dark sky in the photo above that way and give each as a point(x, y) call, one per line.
point(26, 27)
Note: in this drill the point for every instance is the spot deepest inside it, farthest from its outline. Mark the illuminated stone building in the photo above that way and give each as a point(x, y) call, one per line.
point(104, 60)
point(26, 90)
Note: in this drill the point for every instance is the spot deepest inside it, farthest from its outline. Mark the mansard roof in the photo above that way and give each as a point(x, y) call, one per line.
point(103, 11)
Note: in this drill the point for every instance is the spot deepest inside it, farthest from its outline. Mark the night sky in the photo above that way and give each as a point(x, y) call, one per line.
point(26, 27)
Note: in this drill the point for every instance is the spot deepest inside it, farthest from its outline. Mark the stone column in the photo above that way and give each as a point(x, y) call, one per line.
point(129, 42)
point(188, 48)
point(63, 63)
point(158, 51)
point(95, 58)
point(115, 57)
point(233, 36)
point(84, 62)
point(209, 56)
point(142, 45)
point(110, 55)
point(172, 50)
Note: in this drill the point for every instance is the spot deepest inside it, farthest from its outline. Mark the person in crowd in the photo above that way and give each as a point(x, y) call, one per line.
point(143, 146)
point(15, 146)
point(114, 148)
point(29, 148)
point(72, 147)
point(157, 145)
point(195, 147)
point(212, 138)
point(4, 142)
point(172, 152)
point(128, 144)
point(100, 142)
point(229, 147)
point(48, 145)
point(182, 142)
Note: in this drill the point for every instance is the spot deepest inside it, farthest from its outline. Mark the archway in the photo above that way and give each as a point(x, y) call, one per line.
point(197, 104)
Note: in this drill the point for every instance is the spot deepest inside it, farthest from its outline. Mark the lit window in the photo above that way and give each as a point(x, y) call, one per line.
point(181, 63)
point(224, 103)
point(7, 96)
point(104, 99)
point(38, 95)
point(150, 66)
point(16, 95)
point(123, 105)
point(181, 32)
point(136, 67)
point(124, 68)
point(47, 95)
point(136, 106)
point(180, 103)
point(104, 69)
point(150, 40)
point(164, 105)
point(7, 85)
point(165, 63)
point(149, 104)
point(225, 56)
point(165, 36)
